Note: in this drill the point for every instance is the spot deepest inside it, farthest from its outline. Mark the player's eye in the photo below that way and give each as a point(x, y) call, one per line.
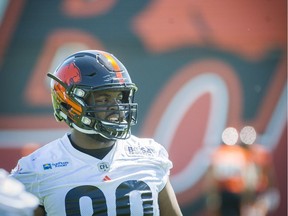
point(102, 100)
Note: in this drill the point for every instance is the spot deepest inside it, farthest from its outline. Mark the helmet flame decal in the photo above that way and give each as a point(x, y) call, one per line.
point(69, 74)
point(115, 65)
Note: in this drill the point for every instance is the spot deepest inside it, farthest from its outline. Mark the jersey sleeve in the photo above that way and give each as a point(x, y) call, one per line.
point(149, 153)
point(165, 164)
point(26, 173)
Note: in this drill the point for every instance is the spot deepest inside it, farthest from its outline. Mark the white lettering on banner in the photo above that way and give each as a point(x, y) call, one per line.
point(205, 83)
point(214, 85)
point(276, 124)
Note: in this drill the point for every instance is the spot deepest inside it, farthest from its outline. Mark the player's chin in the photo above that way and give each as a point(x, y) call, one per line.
point(99, 138)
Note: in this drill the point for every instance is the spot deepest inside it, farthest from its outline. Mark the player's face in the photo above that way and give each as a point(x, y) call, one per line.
point(107, 105)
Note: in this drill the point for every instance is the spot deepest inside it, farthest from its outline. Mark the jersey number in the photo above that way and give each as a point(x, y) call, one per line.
point(122, 193)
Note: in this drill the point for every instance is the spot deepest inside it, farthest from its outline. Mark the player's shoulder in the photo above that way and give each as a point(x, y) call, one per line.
point(41, 155)
point(148, 142)
point(143, 141)
point(145, 147)
point(261, 154)
point(48, 150)
point(259, 148)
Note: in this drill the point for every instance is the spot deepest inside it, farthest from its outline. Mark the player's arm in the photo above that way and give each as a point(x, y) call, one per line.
point(39, 211)
point(168, 203)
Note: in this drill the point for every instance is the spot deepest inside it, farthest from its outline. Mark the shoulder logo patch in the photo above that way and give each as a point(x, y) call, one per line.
point(140, 150)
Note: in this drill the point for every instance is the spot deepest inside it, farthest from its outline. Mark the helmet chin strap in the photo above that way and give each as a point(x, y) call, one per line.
point(100, 138)
point(92, 132)
point(83, 130)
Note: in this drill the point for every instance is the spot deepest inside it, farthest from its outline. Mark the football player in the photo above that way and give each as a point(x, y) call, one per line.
point(240, 179)
point(98, 168)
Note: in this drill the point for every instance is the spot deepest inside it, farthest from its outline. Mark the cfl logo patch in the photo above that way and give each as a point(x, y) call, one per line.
point(103, 166)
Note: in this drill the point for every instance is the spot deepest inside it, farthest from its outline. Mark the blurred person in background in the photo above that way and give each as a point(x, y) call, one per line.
point(14, 200)
point(240, 179)
point(99, 168)
point(264, 196)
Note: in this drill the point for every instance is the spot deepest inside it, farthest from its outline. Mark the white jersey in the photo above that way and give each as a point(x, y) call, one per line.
point(68, 182)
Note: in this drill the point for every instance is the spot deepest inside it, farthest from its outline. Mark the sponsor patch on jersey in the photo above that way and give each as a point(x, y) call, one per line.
point(55, 165)
point(140, 150)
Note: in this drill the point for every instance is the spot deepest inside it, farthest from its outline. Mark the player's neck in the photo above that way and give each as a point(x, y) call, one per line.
point(89, 141)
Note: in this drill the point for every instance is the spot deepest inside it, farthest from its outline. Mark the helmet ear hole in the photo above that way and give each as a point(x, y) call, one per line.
point(127, 98)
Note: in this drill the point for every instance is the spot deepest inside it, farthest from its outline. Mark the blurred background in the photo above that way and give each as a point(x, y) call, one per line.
point(200, 67)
